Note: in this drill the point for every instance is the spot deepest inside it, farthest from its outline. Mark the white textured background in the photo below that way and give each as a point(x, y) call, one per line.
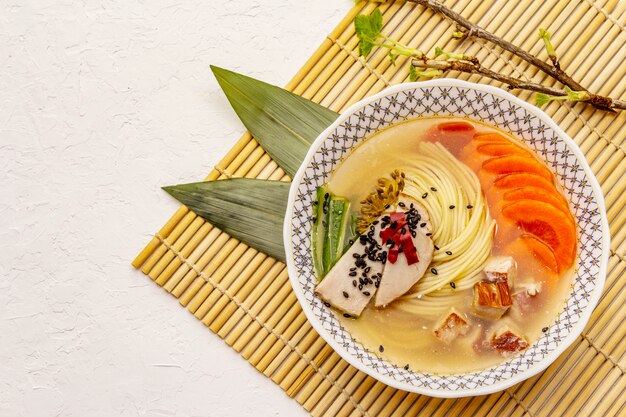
point(101, 103)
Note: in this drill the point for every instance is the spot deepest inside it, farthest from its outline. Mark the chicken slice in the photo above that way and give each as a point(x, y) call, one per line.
point(406, 202)
point(399, 277)
point(353, 280)
point(451, 326)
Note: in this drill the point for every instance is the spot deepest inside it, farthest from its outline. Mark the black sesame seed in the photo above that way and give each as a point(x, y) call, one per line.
point(353, 269)
point(394, 224)
point(352, 274)
point(452, 206)
point(436, 247)
point(375, 222)
point(360, 287)
point(351, 242)
point(314, 219)
point(327, 305)
point(453, 285)
point(346, 315)
point(424, 195)
point(406, 367)
point(429, 234)
point(387, 206)
point(433, 189)
point(345, 294)
point(545, 329)
point(448, 252)
point(366, 293)
point(422, 224)
point(356, 255)
point(469, 206)
point(367, 270)
point(381, 348)
point(401, 204)
point(354, 283)
point(434, 271)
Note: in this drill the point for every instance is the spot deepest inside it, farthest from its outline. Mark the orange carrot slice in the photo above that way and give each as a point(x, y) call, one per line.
point(547, 223)
point(501, 149)
point(454, 136)
point(516, 163)
point(535, 193)
point(491, 138)
point(541, 251)
point(455, 127)
point(523, 179)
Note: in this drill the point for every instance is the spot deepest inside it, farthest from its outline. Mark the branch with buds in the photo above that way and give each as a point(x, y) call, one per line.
point(368, 30)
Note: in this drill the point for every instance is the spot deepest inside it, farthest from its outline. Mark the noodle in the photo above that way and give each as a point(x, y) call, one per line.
point(465, 232)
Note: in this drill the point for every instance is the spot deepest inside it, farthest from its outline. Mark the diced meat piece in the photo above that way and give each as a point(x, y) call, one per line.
point(491, 299)
point(399, 277)
point(406, 202)
point(451, 326)
point(507, 340)
point(501, 269)
point(524, 298)
point(351, 283)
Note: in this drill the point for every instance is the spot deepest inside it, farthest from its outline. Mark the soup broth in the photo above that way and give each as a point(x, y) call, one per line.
point(403, 331)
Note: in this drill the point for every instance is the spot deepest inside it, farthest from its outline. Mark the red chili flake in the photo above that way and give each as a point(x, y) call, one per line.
point(403, 242)
point(392, 256)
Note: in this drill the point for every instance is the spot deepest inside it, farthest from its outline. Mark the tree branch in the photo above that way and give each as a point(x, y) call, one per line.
point(554, 71)
point(476, 68)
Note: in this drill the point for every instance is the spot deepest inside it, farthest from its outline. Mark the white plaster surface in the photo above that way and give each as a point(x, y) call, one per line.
point(101, 103)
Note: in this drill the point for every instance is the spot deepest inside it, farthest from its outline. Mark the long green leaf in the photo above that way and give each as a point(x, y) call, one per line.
point(284, 123)
point(250, 210)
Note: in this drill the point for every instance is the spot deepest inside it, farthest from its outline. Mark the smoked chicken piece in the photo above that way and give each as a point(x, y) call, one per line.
point(507, 340)
point(501, 269)
point(524, 298)
point(451, 326)
point(491, 299)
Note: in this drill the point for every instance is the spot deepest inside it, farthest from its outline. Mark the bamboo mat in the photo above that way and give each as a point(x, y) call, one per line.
point(246, 299)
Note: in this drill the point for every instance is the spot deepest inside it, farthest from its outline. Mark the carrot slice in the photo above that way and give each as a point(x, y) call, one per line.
point(454, 136)
point(455, 127)
point(535, 193)
point(547, 223)
point(523, 179)
point(491, 137)
point(541, 251)
point(516, 163)
point(501, 149)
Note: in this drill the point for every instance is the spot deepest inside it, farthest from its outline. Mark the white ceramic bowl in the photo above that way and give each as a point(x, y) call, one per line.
point(492, 106)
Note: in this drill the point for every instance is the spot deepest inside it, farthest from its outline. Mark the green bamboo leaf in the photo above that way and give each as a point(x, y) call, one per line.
point(250, 210)
point(284, 123)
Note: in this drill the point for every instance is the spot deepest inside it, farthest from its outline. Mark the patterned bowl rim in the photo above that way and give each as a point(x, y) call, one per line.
point(447, 393)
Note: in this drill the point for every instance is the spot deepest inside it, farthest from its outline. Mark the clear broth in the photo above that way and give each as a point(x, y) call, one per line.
point(418, 348)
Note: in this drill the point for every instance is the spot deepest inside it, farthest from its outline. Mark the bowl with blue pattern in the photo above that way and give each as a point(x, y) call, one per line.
point(486, 104)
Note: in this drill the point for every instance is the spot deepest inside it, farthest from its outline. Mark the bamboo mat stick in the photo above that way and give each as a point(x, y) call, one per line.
point(232, 281)
point(218, 315)
point(238, 322)
point(214, 242)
